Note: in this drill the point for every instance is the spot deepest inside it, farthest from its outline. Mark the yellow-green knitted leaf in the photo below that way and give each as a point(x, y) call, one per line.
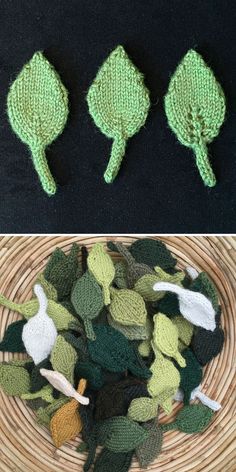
point(127, 307)
point(37, 107)
point(164, 381)
point(63, 358)
point(185, 331)
point(165, 337)
point(101, 266)
point(118, 102)
point(144, 285)
point(14, 379)
point(195, 109)
point(143, 409)
point(45, 393)
point(48, 288)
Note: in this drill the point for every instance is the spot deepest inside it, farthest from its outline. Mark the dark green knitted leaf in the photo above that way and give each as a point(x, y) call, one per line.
point(12, 340)
point(118, 102)
point(120, 434)
point(37, 381)
point(195, 109)
point(87, 299)
point(204, 285)
point(191, 375)
point(168, 305)
point(191, 419)
point(148, 451)
point(37, 106)
point(61, 271)
point(89, 371)
point(207, 344)
point(116, 461)
point(152, 252)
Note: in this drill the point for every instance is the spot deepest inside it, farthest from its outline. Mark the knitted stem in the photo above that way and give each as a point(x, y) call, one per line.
point(89, 330)
point(204, 165)
point(9, 304)
point(43, 171)
point(106, 295)
point(117, 153)
point(168, 427)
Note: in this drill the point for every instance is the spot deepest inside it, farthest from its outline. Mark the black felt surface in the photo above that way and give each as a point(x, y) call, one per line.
point(158, 188)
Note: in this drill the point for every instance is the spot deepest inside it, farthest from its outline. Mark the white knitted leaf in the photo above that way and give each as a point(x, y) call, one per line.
point(58, 381)
point(39, 334)
point(194, 306)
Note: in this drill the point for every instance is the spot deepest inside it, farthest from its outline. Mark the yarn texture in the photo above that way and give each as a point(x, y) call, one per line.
point(191, 419)
point(58, 381)
point(120, 434)
point(101, 266)
point(12, 340)
point(63, 358)
point(165, 337)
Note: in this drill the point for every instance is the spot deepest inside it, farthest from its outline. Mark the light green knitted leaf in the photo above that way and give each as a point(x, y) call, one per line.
point(144, 285)
point(118, 102)
point(195, 109)
point(37, 107)
point(127, 307)
point(45, 393)
point(63, 358)
point(101, 266)
point(143, 409)
point(14, 379)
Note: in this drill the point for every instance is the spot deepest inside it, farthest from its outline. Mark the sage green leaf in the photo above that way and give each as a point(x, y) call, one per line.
point(63, 358)
point(120, 434)
point(118, 102)
point(87, 299)
point(37, 107)
point(14, 380)
point(143, 409)
point(191, 419)
point(148, 451)
point(195, 109)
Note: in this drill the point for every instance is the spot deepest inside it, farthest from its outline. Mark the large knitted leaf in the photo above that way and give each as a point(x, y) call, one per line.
point(195, 109)
point(87, 299)
point(37, 106)
point(61, 270)
point(101, 266)
point(152, 252)
point(127, 307)
point(149, 449)
point(63, 358)
point(14, 380)
point(12, 340)
point(120, 434)
point(109, 460)
point(118, 102)
point(191, 419)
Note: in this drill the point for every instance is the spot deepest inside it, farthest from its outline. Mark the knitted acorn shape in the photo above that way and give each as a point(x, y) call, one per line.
point(127, 307)
point(195, 109)
point(87, 300)
point(165, 337)
point(37, 106)
point(191, 419)
point(194, 306)
point(101, 266)
point(118, 102)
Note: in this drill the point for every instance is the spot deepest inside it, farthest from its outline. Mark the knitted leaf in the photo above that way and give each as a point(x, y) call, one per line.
point(37, 106)
point(127, 307)
point(14, 380)
point(148, 451)
point(144, 285)
point(118, 102)
point(61, 270)
point(37, 381)
point(152, 252)
point(91, 372)
point(135, 270)
point(191, 375)
point(120, 434)
point(195, 109)
point(46, 393)
point(63, 358)
point(101, 266)
point(191, 419)
point(48, 288)
point(207, 344)
point(108, 460)
point(130, 332)
point(185, 331)
point(120, 279)
point(87, 299)
point(165, 337)
point(164, 381)
point(12, 340)
point(58, 381)
point(205, 285)
point(143, 409)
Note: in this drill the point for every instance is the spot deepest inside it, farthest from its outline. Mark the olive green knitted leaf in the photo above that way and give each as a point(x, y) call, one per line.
point(143, 409)
point(37, 107)
point(150, 449)
point(120, 434)
point(101, 266)
point(61, 270)
point(14, 380)
point(87, 299)
point(191, 419)
point(118, 102)
point(63, 358)
point(195, 109)
point(45, 393)
point(12, 340)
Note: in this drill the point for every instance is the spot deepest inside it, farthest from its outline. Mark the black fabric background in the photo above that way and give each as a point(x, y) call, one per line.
point(158, 188)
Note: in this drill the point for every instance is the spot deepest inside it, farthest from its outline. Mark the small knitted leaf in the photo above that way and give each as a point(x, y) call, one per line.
point(191, 419)
point(118, 102)
point(101, 266)
point(143, 409)
point(144, 285)
point(108, 460)
point(195, 109)
point(87, 299)
point(12, 340)
point(185, 330)
point(152, 252)
point(46, 393)
point(61, 271)
point(191, 375)
point(63, 358)
point(120, 434)
point(14, 380)
point(127, 307)
point(37, 107)
point(164, 381)
point(148, 451)
point(130, 332)
point(165, 337)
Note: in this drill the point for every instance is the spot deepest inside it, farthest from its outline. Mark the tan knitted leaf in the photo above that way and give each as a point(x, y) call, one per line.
point(63, 358)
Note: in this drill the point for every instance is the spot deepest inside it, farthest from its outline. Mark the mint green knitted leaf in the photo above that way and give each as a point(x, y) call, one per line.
point(37, 107)
point(118, 102)
point(195, 109)
point(120, 434)
point(191, 419)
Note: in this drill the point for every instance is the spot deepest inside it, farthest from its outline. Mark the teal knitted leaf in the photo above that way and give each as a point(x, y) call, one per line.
point(12, 340)
point(120, 434)
point(118, 102)
point(37, 106)
point(195, 109)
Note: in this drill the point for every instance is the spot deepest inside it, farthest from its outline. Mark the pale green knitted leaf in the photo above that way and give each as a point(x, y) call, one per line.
point(37, 107)
point(195, 109)
point(63, 358)
point(118, 102)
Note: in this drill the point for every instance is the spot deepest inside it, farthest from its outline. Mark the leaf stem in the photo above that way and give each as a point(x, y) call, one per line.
point(43, 171)
point(117, 154)
point(204, 165)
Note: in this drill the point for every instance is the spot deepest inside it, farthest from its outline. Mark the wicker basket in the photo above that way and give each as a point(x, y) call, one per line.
point(27, 447)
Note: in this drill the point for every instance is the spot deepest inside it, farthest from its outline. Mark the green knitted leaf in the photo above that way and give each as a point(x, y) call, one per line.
point(12, 340)
point(195, 109)
point(87, 299)
point(61, 270)
point(191, 375)
point(148, 451)
point(152, 252)
point(127, 307)
point(37, 107)
point(50, 291)
point(120, 434)
point(120, 279)
point(204, 285)
point(63, 358)
point(101, 266)
point(45, 393)
point(191, 419)
point(118, 102)
point(109, 460)
point(14, 380)
point(143, 409)
point(130, 332)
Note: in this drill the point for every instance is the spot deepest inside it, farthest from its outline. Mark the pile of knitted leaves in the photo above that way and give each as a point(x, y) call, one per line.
point(112, 344)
